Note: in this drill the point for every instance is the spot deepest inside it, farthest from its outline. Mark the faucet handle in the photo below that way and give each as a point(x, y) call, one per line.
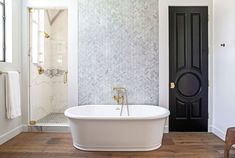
point(116, 98)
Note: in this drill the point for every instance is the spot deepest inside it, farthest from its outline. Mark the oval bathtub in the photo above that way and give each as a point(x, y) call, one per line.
point(101, 128)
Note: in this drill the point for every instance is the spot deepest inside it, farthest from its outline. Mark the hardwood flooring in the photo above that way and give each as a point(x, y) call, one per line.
point(59, 145)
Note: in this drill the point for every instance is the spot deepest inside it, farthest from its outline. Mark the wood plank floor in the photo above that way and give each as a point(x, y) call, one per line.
point(59, 145)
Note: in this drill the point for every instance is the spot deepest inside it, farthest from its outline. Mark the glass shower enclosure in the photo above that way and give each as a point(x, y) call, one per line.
point(48, 66)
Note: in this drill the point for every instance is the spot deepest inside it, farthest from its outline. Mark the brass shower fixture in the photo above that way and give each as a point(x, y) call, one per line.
point(46, 35)
point(40, 70)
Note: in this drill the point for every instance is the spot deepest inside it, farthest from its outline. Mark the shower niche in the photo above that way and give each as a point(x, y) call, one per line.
point(48, 66)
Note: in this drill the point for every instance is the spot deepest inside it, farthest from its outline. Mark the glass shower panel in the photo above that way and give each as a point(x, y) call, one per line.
point(48, 66)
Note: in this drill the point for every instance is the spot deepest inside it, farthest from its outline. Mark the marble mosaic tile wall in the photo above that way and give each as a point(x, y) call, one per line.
point(118, 46)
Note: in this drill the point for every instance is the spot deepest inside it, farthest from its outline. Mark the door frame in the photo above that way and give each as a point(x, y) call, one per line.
point(164, 53)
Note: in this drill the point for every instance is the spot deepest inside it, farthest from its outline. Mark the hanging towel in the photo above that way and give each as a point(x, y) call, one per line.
point(13, 107)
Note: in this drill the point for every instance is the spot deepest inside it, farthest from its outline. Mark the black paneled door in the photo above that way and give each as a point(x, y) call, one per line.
point(188, 46)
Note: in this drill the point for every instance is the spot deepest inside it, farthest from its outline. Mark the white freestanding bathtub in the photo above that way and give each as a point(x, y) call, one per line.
point(101, 128)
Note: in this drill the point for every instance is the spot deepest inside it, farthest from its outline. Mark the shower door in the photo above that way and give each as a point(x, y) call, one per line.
point(48, 66)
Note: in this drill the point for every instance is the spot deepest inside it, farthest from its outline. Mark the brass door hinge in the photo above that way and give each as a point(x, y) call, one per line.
point(32, 123)
point(30, 10)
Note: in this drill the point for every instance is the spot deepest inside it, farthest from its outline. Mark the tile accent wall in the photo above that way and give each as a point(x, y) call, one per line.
point(118, 46)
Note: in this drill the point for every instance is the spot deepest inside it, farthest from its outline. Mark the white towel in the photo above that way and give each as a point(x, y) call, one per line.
point(13, 107)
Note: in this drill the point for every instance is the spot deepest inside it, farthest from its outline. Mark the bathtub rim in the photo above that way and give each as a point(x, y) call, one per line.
point(152, 117)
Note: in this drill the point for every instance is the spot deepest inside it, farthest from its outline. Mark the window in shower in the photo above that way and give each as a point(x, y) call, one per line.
point(48, 66)
point(2, 31)
point(38, 41)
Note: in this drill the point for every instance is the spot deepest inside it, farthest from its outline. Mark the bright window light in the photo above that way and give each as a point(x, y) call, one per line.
point(9, 38)
point(37, 36)
point(2, 31)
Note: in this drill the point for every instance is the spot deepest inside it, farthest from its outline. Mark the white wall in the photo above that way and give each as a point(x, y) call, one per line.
point(10, 128)
point(224, 66)
point(164, 49)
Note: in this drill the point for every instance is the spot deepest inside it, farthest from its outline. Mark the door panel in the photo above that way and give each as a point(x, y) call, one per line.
point(188, 46)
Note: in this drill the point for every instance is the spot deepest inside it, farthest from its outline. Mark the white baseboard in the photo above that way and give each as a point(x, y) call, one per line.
point(10, 134)
point(218, 132)
point(63, 129)
point(210, 128)
point(58, 129)
point(25, 128)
